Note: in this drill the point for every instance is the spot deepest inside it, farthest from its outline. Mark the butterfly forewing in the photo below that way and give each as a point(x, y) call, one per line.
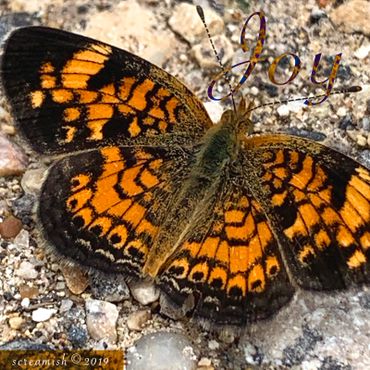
point(69, 92)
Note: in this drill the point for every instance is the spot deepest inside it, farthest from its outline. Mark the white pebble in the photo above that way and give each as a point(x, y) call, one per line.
point(362, 52)
point(165, 351)
point(254, 91)
point(283, 110)
point(26, 271)
point(341, 111)
point(204, 361)
point(25, 302)
point(22, 240)
point(42, 314)
point(144, 292)
point(213, 344)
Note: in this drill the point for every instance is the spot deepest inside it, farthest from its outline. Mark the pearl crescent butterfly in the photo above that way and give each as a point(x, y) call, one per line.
point(145, 185)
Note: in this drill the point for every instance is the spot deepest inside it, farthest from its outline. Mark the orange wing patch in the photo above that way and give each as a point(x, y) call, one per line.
point(98, 108)
point(109, 197)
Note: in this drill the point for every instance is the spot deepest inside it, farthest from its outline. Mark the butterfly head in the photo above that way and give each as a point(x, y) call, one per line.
point(239, 118)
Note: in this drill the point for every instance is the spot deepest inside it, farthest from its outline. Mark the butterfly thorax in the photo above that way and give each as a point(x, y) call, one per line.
point(218, 148)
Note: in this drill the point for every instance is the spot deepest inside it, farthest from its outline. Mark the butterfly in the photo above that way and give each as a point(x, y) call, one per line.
point(143, 184)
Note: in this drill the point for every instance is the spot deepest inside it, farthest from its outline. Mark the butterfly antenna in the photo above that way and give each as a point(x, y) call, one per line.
point(224, 71)
point(350, 89)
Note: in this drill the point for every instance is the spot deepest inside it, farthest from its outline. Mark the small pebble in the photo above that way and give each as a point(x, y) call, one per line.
point(42, 314)
point(342, 111)
point(346, 122)
point(166, 351)
point(28, 291)
point(137, 320)
point(144, 292)
point(361, 140)
point(254, 91)
point(7, 129)
point(227, 336)
point(24, 207)
point(167, 308)
point(76, 279)
point(11, 227)
point(101, 320)
point(60, 285)
point(316, 15)
point(351, 16)
point(185, 21)
point(15, 322)
point(25, 302)
point(283, 110)
point(213, 345)
point(65, 305)
point(362, 52)
point(25, 344)
point(26, 271)
point(78, 336)
point(250, 353)
point(323, 3)
point(12, 160)
point(366, 123)
point(4, 208)
point(32, 181)
point(22, 240)
point(54, 267)
point(204, 362)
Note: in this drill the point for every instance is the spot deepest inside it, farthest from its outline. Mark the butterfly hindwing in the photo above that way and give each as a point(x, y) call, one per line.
point(228, 265)
point(69, 92)
point(319, 202)
point(103, 208)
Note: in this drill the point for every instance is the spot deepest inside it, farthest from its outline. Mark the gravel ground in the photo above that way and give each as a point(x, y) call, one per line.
point(46, 303)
